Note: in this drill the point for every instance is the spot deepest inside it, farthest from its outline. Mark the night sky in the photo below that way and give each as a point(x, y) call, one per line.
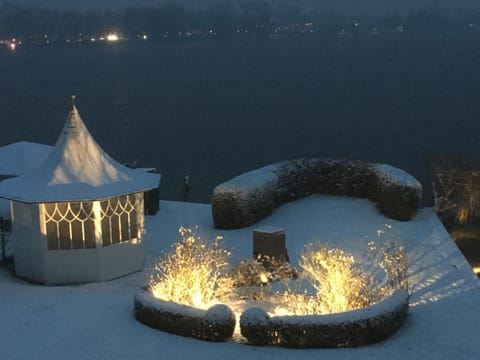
point(347, 6)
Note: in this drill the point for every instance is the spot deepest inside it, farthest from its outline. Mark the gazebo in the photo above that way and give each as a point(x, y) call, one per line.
point(78, 216)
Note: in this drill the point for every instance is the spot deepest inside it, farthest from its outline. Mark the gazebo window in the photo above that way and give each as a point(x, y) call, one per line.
point(119, 219)
point(87, 225)
point(69, 225)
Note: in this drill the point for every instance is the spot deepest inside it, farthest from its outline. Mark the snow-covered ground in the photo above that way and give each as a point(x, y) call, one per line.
point(95, 321)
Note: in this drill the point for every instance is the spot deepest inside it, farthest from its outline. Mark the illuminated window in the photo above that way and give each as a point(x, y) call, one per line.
point(119, 219)
point(87, 225)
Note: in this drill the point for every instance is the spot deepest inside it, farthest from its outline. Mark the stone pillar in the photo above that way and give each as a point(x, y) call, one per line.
point(269, 244)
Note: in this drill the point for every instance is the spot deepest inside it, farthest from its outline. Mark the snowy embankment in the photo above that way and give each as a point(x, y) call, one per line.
point(95, 321)
point(248, 198)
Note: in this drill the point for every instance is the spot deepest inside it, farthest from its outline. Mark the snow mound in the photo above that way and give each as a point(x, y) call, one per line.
point(20, 157)
point(255, 325)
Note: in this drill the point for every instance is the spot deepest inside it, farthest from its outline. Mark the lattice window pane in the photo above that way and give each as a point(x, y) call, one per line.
point(52, 238)
point(77, 235)
point(64, 235)
point(133, 224)
point(58, 211)
point(69, 225)
point(89, 228)
point(106, 233)
point(125, 227)
point(119, 219)
point(74, 225)
point(115, 234)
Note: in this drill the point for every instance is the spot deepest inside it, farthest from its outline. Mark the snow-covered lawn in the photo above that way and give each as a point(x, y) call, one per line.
point(95, 321)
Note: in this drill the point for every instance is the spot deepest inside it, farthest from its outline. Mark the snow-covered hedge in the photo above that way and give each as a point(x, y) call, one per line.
point(348, 329)
point(397, 194)
point(248, 198)
point(215, 324)
point(245, 199)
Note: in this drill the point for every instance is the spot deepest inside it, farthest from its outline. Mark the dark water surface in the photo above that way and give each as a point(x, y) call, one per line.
point(215, 109)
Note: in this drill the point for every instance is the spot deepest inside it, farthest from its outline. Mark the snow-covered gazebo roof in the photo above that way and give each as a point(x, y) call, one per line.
point(20, 157)
point(76, 169)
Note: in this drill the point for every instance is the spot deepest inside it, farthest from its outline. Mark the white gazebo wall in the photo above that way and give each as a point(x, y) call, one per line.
point(92, 265)
point(34, 261)
point(29, 241)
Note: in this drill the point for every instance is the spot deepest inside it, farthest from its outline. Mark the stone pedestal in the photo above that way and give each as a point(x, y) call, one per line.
point(269, 245)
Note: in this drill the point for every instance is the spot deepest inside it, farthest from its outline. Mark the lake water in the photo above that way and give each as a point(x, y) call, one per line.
point(215, 109)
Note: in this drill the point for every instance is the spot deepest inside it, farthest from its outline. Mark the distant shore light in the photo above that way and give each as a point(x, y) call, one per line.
point(112, 37)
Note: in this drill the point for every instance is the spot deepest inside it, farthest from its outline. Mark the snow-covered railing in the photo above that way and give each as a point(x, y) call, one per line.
point(349, 329)
point(215, 324)
point(248, 198)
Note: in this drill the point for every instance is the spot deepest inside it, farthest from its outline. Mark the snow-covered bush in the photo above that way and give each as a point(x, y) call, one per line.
point(303, 177)
point(248, 198)
point(255, 326)
point(251, 279)
point(349, 329)
point(217, 323)
point(398, 194)
point(257, 271)
point(245, 199)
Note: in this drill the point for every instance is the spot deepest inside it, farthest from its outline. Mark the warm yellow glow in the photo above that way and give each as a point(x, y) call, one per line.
point(113, 37)
point(342, 284)
point(457, 192)
point(196, 273)
point(476, 269)
point(190, 274)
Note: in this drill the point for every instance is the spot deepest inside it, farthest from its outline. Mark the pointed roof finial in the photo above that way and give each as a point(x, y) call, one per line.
point(73, 98)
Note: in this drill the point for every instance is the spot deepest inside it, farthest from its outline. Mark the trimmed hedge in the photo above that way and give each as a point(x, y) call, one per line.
point(349, 329)
point(215, 324)
point(248, 198)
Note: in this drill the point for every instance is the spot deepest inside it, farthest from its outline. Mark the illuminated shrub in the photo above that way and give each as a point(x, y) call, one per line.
point(339, 283)
point(457, 193)
point(191, 272)
point(184, 290)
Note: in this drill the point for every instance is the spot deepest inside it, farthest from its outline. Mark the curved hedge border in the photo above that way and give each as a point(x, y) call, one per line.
point(215, 324)
point(246, 199)
point(348, 329)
